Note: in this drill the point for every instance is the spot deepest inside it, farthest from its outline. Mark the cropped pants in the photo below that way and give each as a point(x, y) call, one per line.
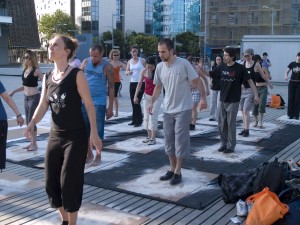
point(64, 168)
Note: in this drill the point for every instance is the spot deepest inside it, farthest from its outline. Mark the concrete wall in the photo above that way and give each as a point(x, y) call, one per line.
point(106, 9)
point(135, 15)
point(281, 49)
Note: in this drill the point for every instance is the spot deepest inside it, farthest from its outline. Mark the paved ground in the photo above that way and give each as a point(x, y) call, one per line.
point(139, 209)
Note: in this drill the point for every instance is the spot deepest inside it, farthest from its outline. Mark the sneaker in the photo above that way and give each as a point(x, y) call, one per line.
point(211, 119)
point(176, 179)
point(242, 132)
point(221, 149)
point(291, 117)
point(167, 176)
point(228, 150)
point(131, 124)
point(146, 140)
point(246, 133)
point(192, 127)
point(152, 142)
point(296, 117)
point(137, 125)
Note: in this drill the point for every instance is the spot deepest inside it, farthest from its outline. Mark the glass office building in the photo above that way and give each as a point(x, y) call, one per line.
point(90, 18)
point(171, 17)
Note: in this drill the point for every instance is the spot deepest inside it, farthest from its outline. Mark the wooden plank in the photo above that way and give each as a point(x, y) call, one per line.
point(145, 207)
point(188, 218)
point(112, 199)
point(110, 194)
point(121, 200)
point(158, 211)
point(153, 209)
point(228, 210)
point(166, 217)
point(176, 217)
point(99, 194)
point(131, 204)
point(209, 212)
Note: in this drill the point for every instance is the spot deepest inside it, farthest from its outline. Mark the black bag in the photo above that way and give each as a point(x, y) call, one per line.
point(282, 103)
point(291, 196)
point(271, 175)
point(237, 186)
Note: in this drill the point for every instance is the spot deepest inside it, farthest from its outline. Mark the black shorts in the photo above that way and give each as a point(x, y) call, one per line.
point(117, 87)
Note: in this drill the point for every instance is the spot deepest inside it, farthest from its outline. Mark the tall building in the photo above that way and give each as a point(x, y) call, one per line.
point(171, 17)
point(22, 31)
point(226, 22)
point(43, 7)
point(5, 21)
point(98, 16)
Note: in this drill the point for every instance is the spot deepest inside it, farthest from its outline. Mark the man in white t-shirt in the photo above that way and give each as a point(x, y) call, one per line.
point(176, 76)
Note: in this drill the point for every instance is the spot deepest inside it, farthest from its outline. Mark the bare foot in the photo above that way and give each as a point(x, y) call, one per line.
point(32, 148)
point(97, 160)
point(26, 147)
point(90, 157)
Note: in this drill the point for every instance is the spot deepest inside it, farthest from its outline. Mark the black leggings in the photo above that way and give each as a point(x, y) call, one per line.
point(64, 167)
point(3, 138)
point(293, 99)
point(137, 115)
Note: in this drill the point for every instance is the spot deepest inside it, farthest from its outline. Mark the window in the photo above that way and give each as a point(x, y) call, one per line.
point(231, 19)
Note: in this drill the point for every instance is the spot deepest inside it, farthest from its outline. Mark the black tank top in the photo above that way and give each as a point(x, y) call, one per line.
point(251, 72)
point(65, 102)
point(30, 80)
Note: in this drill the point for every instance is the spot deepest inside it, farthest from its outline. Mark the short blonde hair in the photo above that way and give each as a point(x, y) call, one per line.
point(112, 52)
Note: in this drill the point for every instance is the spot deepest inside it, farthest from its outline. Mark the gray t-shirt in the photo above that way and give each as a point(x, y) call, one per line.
point(175, 78)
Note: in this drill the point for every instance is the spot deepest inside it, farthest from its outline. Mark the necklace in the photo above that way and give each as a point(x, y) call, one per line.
point(62, 76)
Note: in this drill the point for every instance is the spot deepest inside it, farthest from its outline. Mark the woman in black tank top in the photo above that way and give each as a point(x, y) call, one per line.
point(30, 77)
point(64, 90)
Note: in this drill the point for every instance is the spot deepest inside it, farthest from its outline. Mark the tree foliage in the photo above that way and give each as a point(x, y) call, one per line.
point(59, 22)
point(147, 43)
point(188, 42)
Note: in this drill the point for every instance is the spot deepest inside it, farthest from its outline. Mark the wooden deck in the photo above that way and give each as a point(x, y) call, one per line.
point(23, 208)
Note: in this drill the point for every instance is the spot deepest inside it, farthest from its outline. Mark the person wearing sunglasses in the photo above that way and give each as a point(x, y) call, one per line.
point(114, 57)
point(30, 76)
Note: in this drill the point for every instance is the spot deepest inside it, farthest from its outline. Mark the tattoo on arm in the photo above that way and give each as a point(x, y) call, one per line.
point(109, 73)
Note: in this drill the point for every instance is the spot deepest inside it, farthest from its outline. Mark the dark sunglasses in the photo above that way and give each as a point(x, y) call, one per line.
point(26, 57)
point(116, 55)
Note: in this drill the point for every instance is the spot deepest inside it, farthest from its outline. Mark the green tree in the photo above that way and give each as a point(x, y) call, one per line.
point(146, 42)
point(59, 22)
point(188, 43)
point(106, 40)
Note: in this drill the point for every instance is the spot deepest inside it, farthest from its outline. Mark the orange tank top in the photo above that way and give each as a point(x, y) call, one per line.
point(117, 74)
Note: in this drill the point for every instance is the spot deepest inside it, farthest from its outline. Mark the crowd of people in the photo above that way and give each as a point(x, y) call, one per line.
point(87, 92)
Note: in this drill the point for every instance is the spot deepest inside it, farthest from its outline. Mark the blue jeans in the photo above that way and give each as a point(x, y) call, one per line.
point(100, 119)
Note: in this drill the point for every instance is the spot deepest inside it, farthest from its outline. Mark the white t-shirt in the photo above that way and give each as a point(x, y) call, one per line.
point(76, 63)
point(176, 78)
point(136, 70)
